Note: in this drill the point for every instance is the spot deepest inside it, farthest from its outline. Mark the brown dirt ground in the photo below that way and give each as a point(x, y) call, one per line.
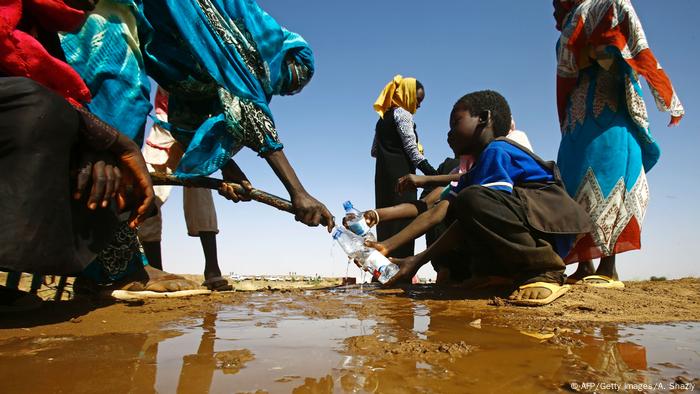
point(639, 302)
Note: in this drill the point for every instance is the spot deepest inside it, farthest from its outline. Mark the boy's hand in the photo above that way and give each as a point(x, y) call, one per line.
point(408, 268)
point(409, 182)
point(371, 217)
point(360, 266)
point(379, 246)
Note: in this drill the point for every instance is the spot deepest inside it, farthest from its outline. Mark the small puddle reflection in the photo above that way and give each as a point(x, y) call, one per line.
point(316, 342)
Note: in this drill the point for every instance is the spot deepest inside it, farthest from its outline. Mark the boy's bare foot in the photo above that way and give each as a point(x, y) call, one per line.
point(537, 293)
point(408, 267)
point(532, 293)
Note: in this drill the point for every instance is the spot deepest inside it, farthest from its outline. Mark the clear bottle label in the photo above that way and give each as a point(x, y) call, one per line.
point(376, 261)
point(359, 227)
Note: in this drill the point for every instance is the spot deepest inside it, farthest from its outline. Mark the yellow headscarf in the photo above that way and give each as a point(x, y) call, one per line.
point(400, 92)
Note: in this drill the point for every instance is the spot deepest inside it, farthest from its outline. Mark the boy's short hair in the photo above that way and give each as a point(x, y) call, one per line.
point(488, 100)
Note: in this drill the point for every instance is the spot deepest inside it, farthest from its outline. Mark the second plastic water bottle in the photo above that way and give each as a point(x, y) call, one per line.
point(355, 220)
point(354, 246)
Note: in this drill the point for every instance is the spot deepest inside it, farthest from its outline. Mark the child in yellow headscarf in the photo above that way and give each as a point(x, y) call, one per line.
point(397, 150)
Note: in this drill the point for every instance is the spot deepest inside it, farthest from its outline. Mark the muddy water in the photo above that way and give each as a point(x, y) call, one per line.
point(356, 341)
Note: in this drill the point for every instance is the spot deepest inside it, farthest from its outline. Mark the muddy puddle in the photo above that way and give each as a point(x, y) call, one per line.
point(356, 340)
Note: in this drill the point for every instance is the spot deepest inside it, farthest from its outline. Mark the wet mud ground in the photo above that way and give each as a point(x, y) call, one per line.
point(645, 338)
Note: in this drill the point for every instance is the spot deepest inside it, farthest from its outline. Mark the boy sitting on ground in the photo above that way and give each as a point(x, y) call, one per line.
point(511, 214)
point(450, 171)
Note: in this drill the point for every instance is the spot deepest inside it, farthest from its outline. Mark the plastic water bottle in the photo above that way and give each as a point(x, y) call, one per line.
point(354, 246)
point(355, 220)
point(387, 272)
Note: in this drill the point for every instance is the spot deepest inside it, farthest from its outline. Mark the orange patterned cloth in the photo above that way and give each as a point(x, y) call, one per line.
point(593, 24)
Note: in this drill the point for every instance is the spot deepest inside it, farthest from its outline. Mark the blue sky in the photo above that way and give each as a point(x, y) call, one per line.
point(452, 47)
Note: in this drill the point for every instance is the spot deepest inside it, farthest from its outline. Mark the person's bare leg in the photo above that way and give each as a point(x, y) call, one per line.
point(607, 267)
point(211, 260)
point(153, 254)
point(583, 269)
point(211, 263)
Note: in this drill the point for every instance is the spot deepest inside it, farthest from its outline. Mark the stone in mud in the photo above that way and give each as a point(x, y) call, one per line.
point(232, 361)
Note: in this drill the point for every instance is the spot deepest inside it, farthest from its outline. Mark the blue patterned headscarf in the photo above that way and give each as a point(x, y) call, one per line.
point(204, 46)
point(106, 53)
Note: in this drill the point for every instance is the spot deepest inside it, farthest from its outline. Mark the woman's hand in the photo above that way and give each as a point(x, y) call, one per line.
point(232, 173)
point(409, 182)
point(311, 212)
point(106, 178)
point(227, 191)
point(136, 184)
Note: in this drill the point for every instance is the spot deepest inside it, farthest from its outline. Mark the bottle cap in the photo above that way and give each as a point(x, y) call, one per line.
point(337, 233)
point(347, 205)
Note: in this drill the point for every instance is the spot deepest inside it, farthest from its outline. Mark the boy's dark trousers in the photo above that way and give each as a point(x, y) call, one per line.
point(460, 273)
point(499, 241)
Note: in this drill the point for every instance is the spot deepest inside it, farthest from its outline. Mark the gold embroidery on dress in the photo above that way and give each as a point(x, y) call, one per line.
point(577, 106)
point(635, 104)
point(606, 92)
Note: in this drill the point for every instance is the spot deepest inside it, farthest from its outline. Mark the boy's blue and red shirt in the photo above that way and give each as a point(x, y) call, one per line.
point(500, 167)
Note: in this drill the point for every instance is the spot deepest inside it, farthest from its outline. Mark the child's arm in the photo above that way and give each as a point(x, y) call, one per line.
point(412, 181)
point(433, 197)
point(415, 229)
point(409, 266)
point(402, 211)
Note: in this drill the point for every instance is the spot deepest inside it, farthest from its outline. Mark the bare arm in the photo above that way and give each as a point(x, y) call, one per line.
point(413, 182)
point(433, 197)
point(440, 180)
point(401, 211)
point(409, 266)
point(419, 226)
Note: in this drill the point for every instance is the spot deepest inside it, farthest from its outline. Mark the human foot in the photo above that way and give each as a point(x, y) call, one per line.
point(603, 282)
point(216, 283)
point(161, 281)
point(584, 269)
point(537, 293)
point(605, 276)
point(607, 268)
point(145, 279)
